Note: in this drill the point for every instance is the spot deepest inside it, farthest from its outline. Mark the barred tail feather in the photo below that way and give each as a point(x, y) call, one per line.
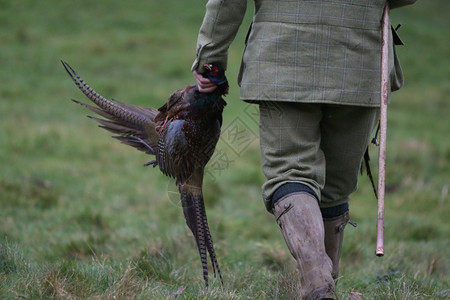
point(108, 106)
point(195, 214)
point(134, 125)
point(210, 247)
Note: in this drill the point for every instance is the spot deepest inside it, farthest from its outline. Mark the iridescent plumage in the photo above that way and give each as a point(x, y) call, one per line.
point(182, 135)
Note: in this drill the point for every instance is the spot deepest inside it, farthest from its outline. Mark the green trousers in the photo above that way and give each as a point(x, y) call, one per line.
point(319, 145)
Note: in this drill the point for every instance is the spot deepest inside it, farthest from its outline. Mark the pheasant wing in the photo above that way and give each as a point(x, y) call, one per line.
point(175, 156)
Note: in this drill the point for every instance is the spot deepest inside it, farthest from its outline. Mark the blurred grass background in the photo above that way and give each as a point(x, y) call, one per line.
point(80, 217)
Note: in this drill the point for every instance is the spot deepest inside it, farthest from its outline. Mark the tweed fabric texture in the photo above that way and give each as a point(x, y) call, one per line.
point(319, 145)
point(319, 63)
point(311, 51)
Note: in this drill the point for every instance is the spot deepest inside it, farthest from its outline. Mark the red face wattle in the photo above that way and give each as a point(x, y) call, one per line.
point(215, 73)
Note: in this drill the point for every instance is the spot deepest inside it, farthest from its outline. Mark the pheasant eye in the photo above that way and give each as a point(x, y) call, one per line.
point(216, 69)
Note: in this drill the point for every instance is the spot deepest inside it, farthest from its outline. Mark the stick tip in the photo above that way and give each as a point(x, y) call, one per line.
point(379, 252)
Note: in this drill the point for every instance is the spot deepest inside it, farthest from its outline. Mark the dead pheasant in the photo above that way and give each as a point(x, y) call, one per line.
point(182, 135)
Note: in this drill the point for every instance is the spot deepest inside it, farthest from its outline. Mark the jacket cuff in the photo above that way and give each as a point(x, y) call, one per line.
point(203, 57)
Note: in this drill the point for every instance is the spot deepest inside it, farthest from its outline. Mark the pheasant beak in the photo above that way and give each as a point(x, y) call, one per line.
point(207, 66)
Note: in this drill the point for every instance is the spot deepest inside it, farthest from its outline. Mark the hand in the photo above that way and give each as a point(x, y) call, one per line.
point(204, 84)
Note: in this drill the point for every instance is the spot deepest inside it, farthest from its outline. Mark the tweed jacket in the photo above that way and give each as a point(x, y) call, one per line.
point(314, 51)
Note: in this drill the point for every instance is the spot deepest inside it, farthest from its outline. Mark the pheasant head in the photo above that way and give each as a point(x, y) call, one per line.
point(216, 73)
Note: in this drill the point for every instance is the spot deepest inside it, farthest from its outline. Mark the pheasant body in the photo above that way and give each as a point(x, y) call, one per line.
point(182, 135)
point(189, 132)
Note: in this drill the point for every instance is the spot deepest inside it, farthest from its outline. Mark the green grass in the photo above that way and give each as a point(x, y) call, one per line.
point(80, 217)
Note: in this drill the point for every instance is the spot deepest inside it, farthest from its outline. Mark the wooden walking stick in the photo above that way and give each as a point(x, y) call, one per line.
point(383, 128)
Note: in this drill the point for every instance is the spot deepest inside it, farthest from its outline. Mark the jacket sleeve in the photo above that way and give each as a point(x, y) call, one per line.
point(220, 25)
point(398, 3)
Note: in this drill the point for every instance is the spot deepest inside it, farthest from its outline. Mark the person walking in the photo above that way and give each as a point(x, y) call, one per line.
point(313, 67)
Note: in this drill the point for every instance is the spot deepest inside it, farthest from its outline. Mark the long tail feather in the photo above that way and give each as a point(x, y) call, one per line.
point(210, 245)
point(111, 108)
point(134, 124)
point(192, 207)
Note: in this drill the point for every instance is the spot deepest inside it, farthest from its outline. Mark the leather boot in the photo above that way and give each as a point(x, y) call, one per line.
point(300, 220)
point(334, 235)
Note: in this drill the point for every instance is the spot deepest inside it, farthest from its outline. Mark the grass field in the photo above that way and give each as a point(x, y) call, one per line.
point(80, 217)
